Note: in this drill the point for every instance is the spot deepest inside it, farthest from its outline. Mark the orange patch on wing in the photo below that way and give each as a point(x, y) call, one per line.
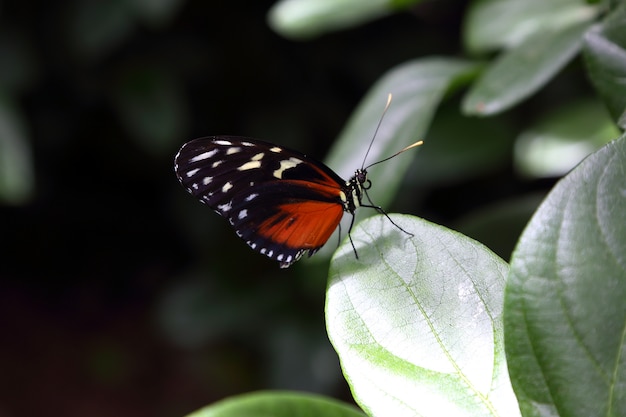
point(305, 225)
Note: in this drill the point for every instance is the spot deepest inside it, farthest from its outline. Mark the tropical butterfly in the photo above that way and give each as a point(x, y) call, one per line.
point(281, 202)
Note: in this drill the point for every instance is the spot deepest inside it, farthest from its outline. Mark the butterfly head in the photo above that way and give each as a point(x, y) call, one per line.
point(355, 187)
point(360, 175)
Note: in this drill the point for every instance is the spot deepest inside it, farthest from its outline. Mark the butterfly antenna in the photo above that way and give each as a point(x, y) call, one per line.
point(376, 131)
point(416, 144)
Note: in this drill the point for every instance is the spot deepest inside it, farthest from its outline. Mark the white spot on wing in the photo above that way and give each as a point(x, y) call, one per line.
point(285, 165)
point(223, 142)
point(207, 180)
point(192, 172)
point(250, 165)
point(252, 197)
point(203, 156)
point(233, 150)
point(242, 214)
point(227, 187)
point(224, 208)
point(276, 149)
point(216, 164)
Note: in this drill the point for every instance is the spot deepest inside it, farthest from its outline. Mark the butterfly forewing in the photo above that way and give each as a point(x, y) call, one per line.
point(281, 202)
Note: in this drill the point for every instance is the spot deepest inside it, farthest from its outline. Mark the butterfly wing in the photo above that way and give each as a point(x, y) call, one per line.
point(281, 202)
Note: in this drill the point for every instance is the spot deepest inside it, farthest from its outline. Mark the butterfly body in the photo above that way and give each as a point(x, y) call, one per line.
point(281, 202)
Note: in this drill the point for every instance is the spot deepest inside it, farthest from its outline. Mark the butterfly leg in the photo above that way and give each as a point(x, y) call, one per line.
point(381, 211)
point(350, 237)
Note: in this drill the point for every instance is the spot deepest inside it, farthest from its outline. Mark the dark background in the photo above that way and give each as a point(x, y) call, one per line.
point(120, 295)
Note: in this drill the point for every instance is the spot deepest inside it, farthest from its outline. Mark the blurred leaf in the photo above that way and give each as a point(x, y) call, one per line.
point(97, 26)
point(17, 180)
point(459, 148)
point(418, 87)
point(417, 321)
point(303, 19)
point(498, 226)
point(278, 404)
point(493, 24)
point(563, 138)
point(605, 56)
point(20, 67)
point(521, 71)
point(156, 12)
point(152, 107)
point(564, 306)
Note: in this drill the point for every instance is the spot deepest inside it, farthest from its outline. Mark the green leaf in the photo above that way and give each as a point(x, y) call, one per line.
point(417, 321)
point(605, 56)
point(17, 180)
point(278, 404)
point(492, 24)
point(563, 138)
point(565, 313)
point(521, 71)
point(304, 19)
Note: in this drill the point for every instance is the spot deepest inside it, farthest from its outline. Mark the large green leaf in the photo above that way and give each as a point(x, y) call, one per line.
point(605, 55)
point(521, 71)
point(494, 24)
point(278, 404)
point(565, 307)
point(417, 321)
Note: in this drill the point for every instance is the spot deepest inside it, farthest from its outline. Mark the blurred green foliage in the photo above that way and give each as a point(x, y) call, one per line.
point(106, 252)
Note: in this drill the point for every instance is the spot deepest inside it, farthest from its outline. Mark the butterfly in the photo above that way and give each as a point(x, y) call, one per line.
point(281, 202)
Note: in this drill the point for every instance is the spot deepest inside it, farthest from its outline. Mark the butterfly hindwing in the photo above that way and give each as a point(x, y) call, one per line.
point(281, 202)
